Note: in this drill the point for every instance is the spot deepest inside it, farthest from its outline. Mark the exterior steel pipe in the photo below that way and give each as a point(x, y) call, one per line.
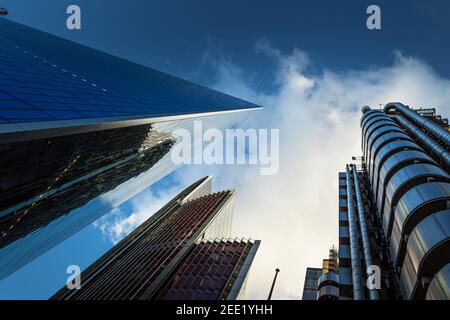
point(373, 293)
point(423, 122)
point(432, 145)
point(358, 291)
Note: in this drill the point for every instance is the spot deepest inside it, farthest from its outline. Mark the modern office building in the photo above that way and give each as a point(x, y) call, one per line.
point(81, 132)
point(323, 283)
point(183, 251)
point(310, 286)
point(213, 270)
point(394, 208)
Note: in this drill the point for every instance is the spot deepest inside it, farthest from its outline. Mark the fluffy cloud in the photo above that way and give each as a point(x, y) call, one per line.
point(294, 213)
point(122, 220)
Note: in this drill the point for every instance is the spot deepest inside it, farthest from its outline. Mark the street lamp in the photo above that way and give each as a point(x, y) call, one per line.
point(273, 283)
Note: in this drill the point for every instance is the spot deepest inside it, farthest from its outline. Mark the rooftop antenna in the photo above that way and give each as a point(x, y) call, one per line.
point(273, 283)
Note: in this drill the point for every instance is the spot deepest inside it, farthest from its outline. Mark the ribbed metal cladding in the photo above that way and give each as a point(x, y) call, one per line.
point(430, 144)
point(328, 292)
point(422, 122)
point(209, 271)
point(409, 189)
point(358, 291)
point(328, 286)
point(373, 294)
point(140, 260)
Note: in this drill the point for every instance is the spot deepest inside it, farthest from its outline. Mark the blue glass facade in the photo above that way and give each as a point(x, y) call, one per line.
point(45, 78)
point(182, 252)
point(81, 132)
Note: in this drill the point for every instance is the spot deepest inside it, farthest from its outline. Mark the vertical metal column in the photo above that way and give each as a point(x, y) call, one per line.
point(373, 293)
point(358, 291)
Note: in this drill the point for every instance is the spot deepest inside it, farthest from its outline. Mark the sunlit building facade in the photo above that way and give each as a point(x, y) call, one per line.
point(81, 132)
point(394, 208)
point(183, 251)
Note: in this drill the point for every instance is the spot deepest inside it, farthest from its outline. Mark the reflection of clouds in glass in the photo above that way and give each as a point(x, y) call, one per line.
point(26, 249)
point(117, 224)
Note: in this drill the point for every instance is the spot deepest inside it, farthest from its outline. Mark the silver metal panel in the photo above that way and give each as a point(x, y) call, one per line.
point(377, 125)
point(367, 124)
point(394, 163)
point(328, 292)
point(370, 121)
point(385, 152)
point(380, 142)
point(328, 278)
point(439, 288)
point(371, 125)
point(405, 179)
point(369, 114)
point(414, 206)
point(429, 235)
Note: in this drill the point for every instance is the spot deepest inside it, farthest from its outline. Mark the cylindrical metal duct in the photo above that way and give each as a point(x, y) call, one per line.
point(423, 122)
point(358, 291)
point(432, 145)
point(373, 293)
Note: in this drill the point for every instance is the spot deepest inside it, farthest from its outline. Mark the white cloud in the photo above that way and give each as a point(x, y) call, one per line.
point(117, 224)
point(294, 213)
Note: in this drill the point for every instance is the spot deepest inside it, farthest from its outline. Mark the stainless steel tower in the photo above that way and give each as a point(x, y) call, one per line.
point(394, 208)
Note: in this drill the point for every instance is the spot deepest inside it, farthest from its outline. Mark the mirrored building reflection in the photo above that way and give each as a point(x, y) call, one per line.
point(81, 132)
point(182, 252)
point(394, 208)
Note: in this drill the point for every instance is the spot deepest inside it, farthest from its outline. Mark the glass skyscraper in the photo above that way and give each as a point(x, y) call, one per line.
point(183, 251)
point(81, 132)
point(394, 209)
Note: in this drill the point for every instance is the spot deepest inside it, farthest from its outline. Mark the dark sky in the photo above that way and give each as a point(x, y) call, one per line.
point(173, 35)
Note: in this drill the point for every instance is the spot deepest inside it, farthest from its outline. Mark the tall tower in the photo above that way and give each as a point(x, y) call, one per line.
point(183, 251)
point(394, 208)
point(81, 132)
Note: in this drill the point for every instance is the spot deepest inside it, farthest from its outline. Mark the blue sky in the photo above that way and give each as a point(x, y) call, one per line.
point(218, 44)
point(172, 36)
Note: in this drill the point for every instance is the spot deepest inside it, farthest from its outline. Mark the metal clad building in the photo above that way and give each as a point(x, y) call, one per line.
point(174, 254)
point(81, 132)
point(394, 208)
